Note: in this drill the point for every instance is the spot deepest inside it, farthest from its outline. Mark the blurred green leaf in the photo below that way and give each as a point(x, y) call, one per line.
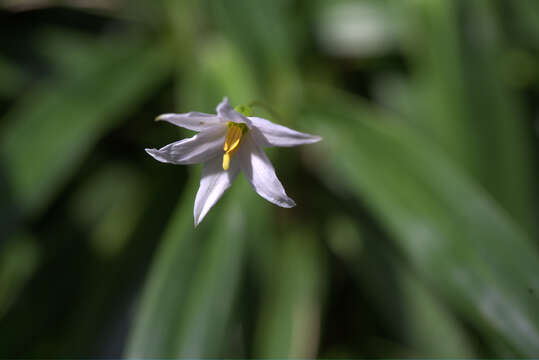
point(424, 322)
point(50, 131)
point(500, 125)
point(523, 17)
point(188, 297)
point(157, 319)
point(109, 206)
point(247, 23)
point(19, 258)
point(212, 293)
point(439, 85)
point(266, 35)
point(464, 103)
point(289, 323)
point(222, 71)
point(457, 238)
point(12, 78)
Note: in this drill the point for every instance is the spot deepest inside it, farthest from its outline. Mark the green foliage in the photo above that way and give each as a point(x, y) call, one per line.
point(415, 233)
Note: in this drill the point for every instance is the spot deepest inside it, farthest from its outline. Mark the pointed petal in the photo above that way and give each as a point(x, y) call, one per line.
point(199, 148)
point(196, 121)
point(271, 134)
point(213, 183)
point(225, 111)
point(261, 175)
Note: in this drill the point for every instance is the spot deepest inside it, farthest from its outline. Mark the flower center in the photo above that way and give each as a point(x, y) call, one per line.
point(232, 141)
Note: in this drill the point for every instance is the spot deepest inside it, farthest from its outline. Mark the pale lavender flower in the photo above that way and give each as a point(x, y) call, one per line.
point(227, 143)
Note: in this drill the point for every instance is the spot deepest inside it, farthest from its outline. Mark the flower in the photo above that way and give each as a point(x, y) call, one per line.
point(227, 143)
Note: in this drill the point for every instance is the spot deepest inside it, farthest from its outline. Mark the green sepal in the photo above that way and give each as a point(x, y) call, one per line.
point(244, 109)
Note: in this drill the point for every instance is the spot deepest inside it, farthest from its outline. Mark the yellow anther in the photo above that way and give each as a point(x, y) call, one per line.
point(233, 138)
point(226, 161)
point(232, 142)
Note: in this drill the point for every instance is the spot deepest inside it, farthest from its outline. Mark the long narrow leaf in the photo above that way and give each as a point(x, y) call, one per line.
point(456, 236)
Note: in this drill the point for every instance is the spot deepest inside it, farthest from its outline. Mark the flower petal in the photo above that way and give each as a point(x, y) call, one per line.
point(225, 111)
point(199, 148)
point(271, 134)
point(213, 183)
point(260, 173)
point(196, 121)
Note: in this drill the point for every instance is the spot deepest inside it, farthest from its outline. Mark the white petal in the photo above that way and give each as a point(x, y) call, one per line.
point(196, 121)
point(199, 148)
point(271, 134)
point(213, 184)
point(225, 111)
point(260, 173)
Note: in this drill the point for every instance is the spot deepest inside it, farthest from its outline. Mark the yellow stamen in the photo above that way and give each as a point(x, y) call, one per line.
point(226, 161)
point(232, 142)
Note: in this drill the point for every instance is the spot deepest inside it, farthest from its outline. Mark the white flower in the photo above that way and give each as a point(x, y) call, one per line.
point(227, 143)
